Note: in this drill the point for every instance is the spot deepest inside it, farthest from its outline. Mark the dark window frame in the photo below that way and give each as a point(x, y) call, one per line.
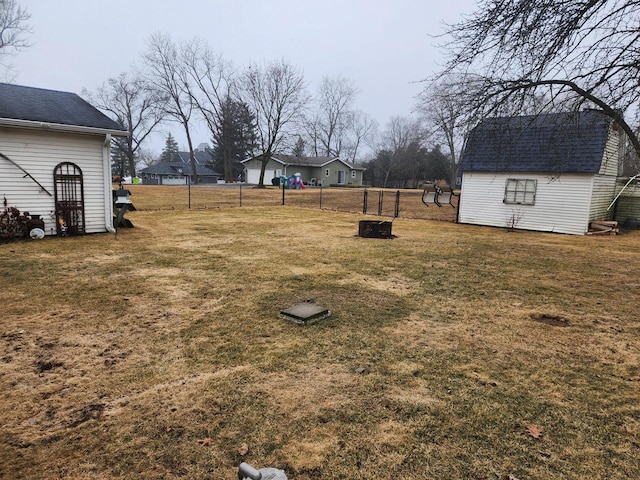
point(520, 191)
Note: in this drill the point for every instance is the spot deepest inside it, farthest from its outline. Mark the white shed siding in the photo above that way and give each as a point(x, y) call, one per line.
point(628, 204)
point(612, 153)
point(604, 189)
point(38, 153)
point(561, 205)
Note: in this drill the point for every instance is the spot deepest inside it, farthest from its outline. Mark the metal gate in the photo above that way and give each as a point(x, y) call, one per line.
point(69, 198)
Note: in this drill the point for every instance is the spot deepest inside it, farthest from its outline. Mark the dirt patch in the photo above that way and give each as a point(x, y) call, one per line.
point(549, 319)
point(45, 364)
point(393, 283)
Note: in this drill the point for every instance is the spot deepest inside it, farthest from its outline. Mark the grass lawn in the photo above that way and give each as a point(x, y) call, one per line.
point(452, 352)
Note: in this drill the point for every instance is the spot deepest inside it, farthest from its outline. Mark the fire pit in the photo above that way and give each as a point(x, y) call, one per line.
point(375, 229)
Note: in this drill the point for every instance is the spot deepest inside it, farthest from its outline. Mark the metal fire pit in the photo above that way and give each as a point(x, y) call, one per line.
point(375, 229)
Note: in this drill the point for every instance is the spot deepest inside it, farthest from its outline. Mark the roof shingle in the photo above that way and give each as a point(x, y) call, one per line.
point(51, 106)
point(572, 142)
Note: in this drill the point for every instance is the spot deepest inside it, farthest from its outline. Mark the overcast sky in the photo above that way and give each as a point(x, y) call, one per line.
point(384, 46)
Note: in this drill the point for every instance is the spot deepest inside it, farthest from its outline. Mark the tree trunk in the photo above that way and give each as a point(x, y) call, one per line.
point(192, 157)
point(265, 160)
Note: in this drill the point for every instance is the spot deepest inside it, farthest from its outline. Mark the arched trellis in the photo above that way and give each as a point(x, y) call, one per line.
point(69, 199)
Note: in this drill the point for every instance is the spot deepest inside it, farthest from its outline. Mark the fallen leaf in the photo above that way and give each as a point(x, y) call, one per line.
point(244, 449)
point(205, 442)
point(534, 431)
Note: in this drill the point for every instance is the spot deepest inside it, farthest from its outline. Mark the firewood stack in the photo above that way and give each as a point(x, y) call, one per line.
point(603, 227)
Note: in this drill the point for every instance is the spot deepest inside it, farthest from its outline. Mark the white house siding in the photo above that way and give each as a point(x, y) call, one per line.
point(561, 204)
point(38, 153)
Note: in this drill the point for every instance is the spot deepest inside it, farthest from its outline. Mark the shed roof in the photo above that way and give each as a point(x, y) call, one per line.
point(570, 142)
point(38, 105)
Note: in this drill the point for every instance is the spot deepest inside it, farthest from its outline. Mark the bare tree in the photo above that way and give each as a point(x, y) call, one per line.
point(362, 130)
point(132, 102)
point(579, 52)
point(148, 157)
point(335, 96)
point(14, 30)
point(166, 73)
point(444, 117)
point(399, 134)
point(213, 89)
point(276, 94)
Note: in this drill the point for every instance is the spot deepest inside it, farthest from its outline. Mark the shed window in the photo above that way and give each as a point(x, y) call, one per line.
point(520, 191)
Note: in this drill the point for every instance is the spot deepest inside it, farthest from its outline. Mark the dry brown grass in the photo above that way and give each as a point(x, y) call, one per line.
point(119, 354)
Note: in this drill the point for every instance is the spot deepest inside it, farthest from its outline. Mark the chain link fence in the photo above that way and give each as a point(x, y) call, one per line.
point(405, 203)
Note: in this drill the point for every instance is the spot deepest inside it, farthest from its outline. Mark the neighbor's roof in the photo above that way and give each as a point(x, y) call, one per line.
point(29, 107)
point(295, 161)
point(172, 168)
point(572, 142)
point(304, 161)
point(202, 157)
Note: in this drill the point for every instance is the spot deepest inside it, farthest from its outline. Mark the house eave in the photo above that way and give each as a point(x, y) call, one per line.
point(59, 127)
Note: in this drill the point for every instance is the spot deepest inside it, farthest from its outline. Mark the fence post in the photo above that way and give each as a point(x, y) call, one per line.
point(189, 189)
point(396, 211)
point(241, 194)
point(283, 189)
point(320, 197)
point(364, 202)
point(380, 196)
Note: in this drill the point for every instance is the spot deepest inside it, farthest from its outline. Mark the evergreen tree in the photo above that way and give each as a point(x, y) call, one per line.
point(119, 162)
point(234, 138)
point(170, 150)
point(299, 148)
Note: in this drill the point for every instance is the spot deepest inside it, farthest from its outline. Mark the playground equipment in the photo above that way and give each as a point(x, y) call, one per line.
point(292, 182)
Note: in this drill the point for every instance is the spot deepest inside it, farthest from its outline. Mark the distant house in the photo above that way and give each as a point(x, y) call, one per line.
point(179, 171)
point(313, 170)
point(553, 172)
point(55, 158)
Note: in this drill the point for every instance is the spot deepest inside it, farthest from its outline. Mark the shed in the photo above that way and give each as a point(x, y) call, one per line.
point(55, 158)
point(552, 172)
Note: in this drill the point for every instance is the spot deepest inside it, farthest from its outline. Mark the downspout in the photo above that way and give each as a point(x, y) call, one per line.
point(108, 196)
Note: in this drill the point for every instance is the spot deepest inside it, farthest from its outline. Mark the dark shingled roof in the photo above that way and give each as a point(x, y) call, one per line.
point(551, 143)
point(303, 161)
point(171, 168)
point(202, 158)
point(51, 106)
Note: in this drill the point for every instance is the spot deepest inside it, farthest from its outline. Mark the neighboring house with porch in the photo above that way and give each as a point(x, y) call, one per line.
point(552, 172)
point(326, 171)
point(179, 171)
point(55, 159)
